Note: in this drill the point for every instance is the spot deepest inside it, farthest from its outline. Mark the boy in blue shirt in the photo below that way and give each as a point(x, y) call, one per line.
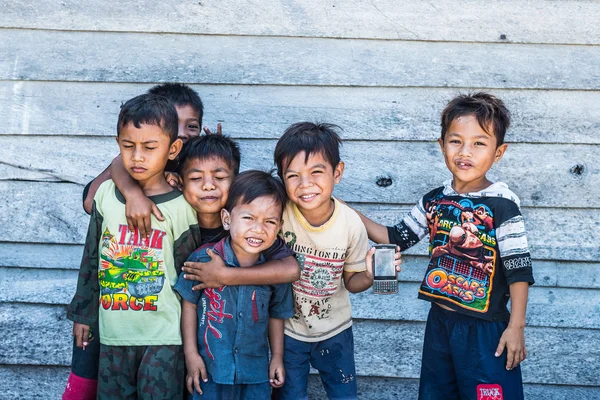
point(479, 258)
point(225, 329)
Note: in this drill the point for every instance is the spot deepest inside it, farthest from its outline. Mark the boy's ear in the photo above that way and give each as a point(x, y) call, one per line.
point(441, 143)
point(225, 219)
point(338, 171)
point(175, 148)
point(500, 152)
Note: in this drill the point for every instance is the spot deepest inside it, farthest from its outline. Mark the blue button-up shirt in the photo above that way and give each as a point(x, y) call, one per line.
point(233, 322)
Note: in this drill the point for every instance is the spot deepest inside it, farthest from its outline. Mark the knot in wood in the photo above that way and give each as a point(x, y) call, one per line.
point(384, 181)
point(578, 170)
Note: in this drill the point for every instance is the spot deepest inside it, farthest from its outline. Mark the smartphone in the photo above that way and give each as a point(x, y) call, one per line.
point(384, 271)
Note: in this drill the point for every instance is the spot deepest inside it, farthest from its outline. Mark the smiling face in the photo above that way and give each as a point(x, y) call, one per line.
point(189, 124)
point(253, 227)
point(145, 152)
point(470, 152)
point(310, 184)
point(206, 185)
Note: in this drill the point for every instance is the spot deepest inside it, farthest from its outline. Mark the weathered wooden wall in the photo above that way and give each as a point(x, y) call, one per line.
point(381, 69)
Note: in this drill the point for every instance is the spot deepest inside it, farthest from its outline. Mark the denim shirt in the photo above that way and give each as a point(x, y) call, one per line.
point(233, 322)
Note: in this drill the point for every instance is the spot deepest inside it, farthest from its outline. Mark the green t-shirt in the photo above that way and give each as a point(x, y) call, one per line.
point(134, 277)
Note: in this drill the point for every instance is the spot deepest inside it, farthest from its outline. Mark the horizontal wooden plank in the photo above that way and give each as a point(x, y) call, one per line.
point(546, 231)
point(413, 114)
point(37, 255)
point(32, 382)
point(534, 21)
point(36, 217)
point(383, 348)
point(378, 388)
point(27, 382)
point(563, 180)
point(83, 56)
point(547, 306)
point(583, 275)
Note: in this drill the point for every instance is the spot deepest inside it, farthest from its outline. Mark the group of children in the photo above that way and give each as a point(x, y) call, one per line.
point(232, 285)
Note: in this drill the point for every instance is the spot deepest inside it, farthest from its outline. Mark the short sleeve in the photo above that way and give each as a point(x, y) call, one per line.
point(281, 305)
point(184, 286)
point(513, 247)
point(86, 190)
point(358, 245)
point(278, 250)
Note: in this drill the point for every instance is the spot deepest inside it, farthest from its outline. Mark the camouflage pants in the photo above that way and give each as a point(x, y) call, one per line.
point(140, 372)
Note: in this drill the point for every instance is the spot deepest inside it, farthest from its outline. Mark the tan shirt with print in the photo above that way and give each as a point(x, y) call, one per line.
point(321, 301)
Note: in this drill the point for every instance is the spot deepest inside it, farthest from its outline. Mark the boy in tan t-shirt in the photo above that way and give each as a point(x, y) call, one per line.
point(331, 243)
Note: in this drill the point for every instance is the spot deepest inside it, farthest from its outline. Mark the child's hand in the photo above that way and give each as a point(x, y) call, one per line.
point(276, 372)
point(195, 371)
point(369, 263)
point(398, 259)
point(138, 211)
point(513, 339)
point(174, 180)
point(208, 132)
point(212, 274)
point(81, 333)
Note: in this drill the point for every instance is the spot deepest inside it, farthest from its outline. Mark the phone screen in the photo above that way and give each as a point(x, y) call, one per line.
point(384, 264)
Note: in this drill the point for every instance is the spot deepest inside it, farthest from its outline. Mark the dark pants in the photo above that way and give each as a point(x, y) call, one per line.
point(140, 372)
point(84, 363)
point(83, 379)
point(333, 358)
point(459, 362)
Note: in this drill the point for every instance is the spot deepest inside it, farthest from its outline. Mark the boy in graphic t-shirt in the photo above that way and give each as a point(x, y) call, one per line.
point(479, 258)
point(126, 279)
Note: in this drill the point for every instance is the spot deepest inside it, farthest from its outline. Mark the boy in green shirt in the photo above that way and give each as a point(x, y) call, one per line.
point(132, 275)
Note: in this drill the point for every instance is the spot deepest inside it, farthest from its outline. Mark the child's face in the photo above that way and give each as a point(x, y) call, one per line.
point(189, 124)
point(253, 227)
point(470, 152)
point(146, 150)
point(206, 184)
point(310, 184)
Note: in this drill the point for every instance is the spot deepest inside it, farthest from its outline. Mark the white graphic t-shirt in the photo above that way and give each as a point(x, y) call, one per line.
point(321, 302)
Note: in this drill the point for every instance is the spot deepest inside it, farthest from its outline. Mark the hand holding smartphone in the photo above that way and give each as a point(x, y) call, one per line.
point(385, 276)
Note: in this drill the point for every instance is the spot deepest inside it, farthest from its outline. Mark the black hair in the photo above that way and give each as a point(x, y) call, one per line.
point(309, 138)
point(252, 184)
point(209, 146)
point(150, 109)
point(489, 110)
point(181, 95)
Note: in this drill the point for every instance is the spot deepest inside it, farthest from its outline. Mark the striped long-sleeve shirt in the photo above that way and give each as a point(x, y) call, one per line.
point(477, 245)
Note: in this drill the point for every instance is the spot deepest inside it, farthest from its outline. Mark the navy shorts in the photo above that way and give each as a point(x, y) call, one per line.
point(333, 358)
point(459, 362)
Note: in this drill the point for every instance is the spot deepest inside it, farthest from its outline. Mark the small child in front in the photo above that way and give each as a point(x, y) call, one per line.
point(139, 314)
point(479, 258)
point(225, 329)
point(331, 243)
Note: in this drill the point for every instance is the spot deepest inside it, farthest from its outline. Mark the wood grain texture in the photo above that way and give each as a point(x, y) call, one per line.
point(115, 57)
point(563, 178)
point(27, 382)
point(407, 114)
point(562, 22)
point(547, 306)
point(37, 218)
point(562, 274)
point(555, 356)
